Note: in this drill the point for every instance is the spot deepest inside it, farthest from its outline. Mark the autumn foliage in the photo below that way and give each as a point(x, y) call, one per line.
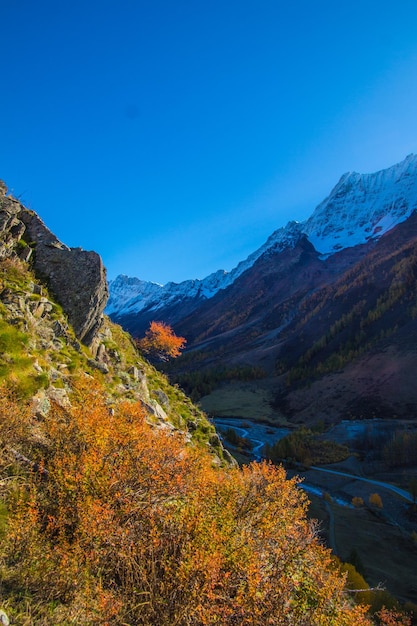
point(375, 500)
point(118, 522)
point(161, 342)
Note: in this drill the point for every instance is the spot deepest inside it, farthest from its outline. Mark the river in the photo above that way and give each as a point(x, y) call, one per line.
point(257, 433)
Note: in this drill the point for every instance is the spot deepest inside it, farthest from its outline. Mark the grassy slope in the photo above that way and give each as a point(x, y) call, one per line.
point(32, 357)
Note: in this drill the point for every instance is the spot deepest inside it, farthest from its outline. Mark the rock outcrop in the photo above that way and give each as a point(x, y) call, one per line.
point(51, 303)
point(11, 227)
point(75, 277)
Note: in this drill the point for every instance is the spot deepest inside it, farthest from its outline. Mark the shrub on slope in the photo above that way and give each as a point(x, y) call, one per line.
point(112, 521)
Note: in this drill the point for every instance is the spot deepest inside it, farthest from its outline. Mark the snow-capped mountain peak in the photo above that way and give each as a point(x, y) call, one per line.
point(125, 290)
point(130, 295)
point(363, 207)
point(359, 208)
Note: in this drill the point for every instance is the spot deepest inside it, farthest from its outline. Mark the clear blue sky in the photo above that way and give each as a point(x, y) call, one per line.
point(174, 136)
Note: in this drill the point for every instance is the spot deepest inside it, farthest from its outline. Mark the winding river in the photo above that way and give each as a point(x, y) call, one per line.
point(259, 434)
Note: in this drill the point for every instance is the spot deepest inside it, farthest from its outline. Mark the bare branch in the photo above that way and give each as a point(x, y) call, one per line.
point(379, 587)
point(35, 467)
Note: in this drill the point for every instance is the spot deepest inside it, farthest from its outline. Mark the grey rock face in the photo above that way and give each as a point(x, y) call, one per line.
point(75, 277)
point(11, 227)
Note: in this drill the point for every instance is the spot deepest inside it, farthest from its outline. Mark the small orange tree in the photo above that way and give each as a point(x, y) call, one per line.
point(375, 500)
point(161, 342)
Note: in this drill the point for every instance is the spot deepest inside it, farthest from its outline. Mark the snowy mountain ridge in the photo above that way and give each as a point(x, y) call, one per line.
point(360, 207)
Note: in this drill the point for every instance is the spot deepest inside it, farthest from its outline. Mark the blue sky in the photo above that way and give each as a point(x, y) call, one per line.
point(174, 136)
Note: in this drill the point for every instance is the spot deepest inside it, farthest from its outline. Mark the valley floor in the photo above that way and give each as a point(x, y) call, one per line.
point(384, 539)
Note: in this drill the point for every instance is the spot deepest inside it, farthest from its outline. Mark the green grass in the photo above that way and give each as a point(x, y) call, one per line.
point(16, 273)
point(12, 340)
point(239, 399)
point(3, 519)
point(16, 364)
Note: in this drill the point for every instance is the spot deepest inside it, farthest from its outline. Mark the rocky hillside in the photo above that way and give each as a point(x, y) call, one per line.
point(76, 278)
point(52, 331)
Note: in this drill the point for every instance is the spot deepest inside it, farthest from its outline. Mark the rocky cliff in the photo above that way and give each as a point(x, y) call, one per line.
point(52, 299)
point(75, 277)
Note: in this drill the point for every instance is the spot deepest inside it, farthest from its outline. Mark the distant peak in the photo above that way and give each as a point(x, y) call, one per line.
point(363, 207)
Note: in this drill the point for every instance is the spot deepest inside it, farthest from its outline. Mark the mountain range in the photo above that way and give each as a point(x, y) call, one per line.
point(320, 319)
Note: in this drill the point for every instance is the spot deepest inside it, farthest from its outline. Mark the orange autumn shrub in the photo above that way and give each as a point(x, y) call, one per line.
point(161, 342)
point(391, 617)
point(127, 525)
